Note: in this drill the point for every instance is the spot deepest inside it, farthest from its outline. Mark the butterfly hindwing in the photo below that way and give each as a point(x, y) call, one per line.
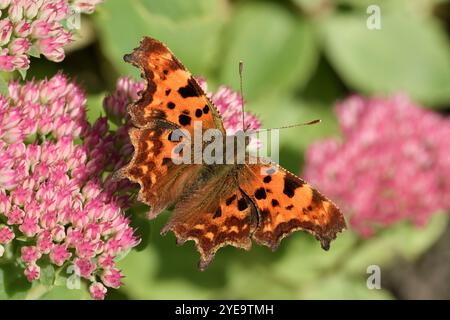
point(215, 214)
point(161, 180)
point(171, 93)
point(286, 203)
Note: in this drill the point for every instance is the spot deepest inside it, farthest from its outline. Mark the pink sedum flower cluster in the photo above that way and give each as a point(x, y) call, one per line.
point(229, 105)
point(393, 163)
point(58, 201)
point(34, 27)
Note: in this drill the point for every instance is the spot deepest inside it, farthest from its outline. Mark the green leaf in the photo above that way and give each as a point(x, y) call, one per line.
point(408, 54)
point(13, 284)
point(341, 287)
point(3, 86)
point(403, 240)
point(47, 277)
point(277, 48)
point(95, 107)
point(313, 262)
point(23, 73)
point(64, 293)
point(248, 282)
point(142, 282)
point(34, 52)
point(190, 29)
point(417, 7)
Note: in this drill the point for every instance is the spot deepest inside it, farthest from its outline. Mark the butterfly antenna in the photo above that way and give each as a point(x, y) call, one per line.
point(292, 125)
point(241, 71)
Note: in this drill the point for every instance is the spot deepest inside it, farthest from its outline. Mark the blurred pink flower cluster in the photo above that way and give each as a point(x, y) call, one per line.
point(393, 162)
point(229, 105)
point(58, 201)
point(34, 27)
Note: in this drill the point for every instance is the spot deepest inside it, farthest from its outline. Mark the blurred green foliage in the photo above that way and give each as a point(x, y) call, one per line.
point(300, 57)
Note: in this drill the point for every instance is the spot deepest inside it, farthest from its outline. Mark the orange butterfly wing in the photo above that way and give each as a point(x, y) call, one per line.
point(161, 181)
point(286, 203)
point(215, 215)
point(171, 93)
point(171, 99)
point(213, 206)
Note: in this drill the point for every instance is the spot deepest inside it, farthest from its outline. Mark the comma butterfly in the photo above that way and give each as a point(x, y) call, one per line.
point(214, 204)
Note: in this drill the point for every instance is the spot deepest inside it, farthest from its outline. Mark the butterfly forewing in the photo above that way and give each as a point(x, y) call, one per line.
point(171, 93)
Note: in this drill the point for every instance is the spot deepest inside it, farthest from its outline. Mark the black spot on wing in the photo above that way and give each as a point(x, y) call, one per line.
point(267, 179)
point(242, 204)
point(230, 200)
point(275, 203)
point(260, 193)
point(205, 109)
point(189, 90)
point(184, 120)
point(290, 184)
point(217, 213)
point(171, 105)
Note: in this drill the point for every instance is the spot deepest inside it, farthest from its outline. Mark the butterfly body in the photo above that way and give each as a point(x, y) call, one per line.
point(214, 204)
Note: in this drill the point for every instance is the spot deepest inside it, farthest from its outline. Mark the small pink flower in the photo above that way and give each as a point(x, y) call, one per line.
point(15, 11)
point(6, 61)
point(31, 8)
point(97, 290)
point(29, 226)
point(84, 267)
point(86, 249)
point(22, 29)
point(32, 272)
point(6, 235)
point(6, 28)
point(15, 216)
point(112, 278)
point(30, 254)
point(106, 261)
point(19, 46)
point(5, 202)
point(44, 242)
point(58, 233)
point(229, 105)
point(59, 254)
